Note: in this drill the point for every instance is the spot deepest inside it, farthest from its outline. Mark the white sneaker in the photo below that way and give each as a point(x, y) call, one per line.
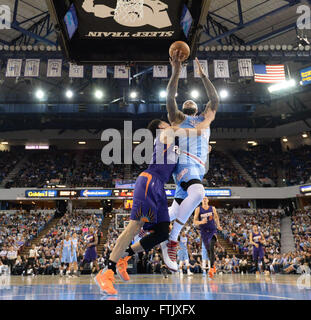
point(189, 273)
point(204, 274)
point(169, 252)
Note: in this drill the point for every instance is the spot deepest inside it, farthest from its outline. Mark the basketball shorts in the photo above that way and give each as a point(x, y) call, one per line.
point(182, 255)
point(149, 201)
point(185, 173)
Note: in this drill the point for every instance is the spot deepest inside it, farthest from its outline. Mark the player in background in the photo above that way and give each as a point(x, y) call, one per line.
point(182, 254)
point(257, 239)
point(74, 256)
point(206, 218)
point(191, 166)
point(90, 255)
point(66, 250)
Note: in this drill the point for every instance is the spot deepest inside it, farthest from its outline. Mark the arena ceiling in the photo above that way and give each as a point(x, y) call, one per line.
point(235, 22)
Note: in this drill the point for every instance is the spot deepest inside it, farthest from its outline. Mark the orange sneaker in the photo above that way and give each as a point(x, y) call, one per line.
point(211, 273)
point(106, 281)
point(97, 278)
point(121, 268)
point(214, 269)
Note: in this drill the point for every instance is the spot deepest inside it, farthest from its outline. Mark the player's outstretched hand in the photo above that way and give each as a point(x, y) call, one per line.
point(199, 69)
point(219, 228)
point(204, 221)
point(176, 59)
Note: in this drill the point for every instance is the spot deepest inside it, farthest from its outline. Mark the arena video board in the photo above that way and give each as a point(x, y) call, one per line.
point(124, 30)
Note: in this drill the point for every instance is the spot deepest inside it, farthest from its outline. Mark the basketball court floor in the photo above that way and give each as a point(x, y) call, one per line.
point(156, 287)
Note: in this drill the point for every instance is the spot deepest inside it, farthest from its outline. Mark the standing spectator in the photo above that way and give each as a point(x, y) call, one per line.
point(11, 257)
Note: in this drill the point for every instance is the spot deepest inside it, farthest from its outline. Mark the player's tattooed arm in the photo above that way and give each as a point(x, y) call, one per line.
point(174, 115)
point(210, 89)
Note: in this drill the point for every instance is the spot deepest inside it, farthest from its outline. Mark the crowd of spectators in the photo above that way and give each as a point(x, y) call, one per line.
point(18, 228)
point(261, 163)
point(84, 168)
point(222, 172)
point(301, 227)
point(8, 161)
point(44, 258)
point(297, 165)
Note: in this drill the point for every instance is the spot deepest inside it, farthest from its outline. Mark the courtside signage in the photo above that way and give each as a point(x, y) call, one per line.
point(89, 193)
point(217, 192)
point(305, 189)
point(41, 193)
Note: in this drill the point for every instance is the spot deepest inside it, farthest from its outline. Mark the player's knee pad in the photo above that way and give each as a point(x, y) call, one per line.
point(160, 234)
point(197, 192)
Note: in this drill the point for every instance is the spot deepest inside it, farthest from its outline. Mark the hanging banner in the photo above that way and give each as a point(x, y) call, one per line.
point(204, 66)
point(14, 68)
point(75, 71)
point(183, 73)
point(245, 67)
point(160, 71)
point(121, 72)
point(99, 72)
point(54, 68)
point(221, 69)
point(32, 68)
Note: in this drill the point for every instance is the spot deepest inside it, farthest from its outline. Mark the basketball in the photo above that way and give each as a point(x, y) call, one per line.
point(182, 46)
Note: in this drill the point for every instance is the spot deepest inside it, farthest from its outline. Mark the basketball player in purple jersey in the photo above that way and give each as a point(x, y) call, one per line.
point(191, 166)
point(257, 239)
point(206, 218)
point(150, 209)
point(90, 253)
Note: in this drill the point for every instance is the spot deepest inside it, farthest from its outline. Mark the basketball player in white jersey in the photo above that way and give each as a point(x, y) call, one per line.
point(191, 166)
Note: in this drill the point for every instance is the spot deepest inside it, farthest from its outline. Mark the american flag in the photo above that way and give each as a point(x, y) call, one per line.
point(269, 73)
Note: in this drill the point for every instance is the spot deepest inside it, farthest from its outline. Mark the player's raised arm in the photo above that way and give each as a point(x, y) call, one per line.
point(174, 115)
point(210, 89)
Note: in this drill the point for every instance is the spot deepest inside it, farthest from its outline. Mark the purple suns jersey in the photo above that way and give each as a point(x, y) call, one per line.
point(209, 215)
point(256, 238)
point(90, 238)
point(164, 160)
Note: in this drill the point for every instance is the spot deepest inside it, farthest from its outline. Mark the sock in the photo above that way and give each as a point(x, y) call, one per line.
point(129, 251)
point(112, 266)
point(173, 210)
point(204, 266)
point(175, 231)
point(196, 194)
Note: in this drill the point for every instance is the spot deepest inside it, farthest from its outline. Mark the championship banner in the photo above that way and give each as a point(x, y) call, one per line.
point(75, 71)
point(121, 72)
point(32, 68)
point(183, 73)
point(305, 75)
point(14, 68)
point(245, 67)
point(160, 71)
point(99, 72)
point(54, 68)
point(221, 69)
point(204, 66)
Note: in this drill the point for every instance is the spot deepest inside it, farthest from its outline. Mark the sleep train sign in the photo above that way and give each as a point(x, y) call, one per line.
point(305, 76)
